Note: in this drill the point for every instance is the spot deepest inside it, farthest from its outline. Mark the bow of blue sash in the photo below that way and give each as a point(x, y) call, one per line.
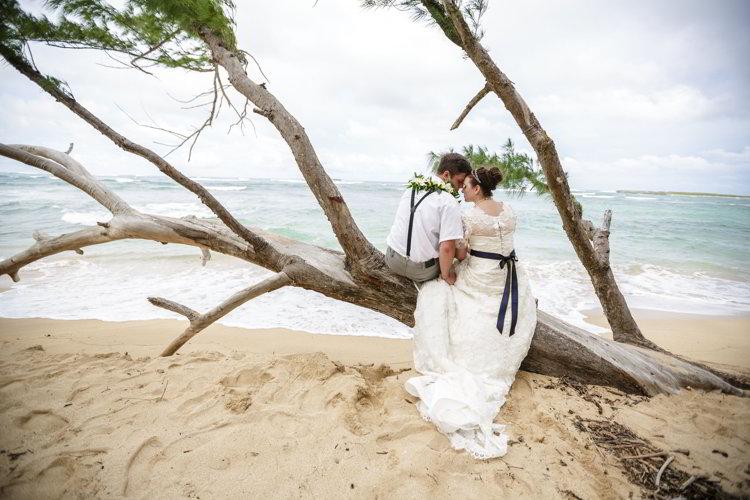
point(510, 293)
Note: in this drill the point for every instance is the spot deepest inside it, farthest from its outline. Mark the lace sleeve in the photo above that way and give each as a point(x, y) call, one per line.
point(512, 218)
point(464, 242)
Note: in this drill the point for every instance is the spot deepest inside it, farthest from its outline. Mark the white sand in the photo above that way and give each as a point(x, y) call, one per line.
point(720, 340)
point(261, 414)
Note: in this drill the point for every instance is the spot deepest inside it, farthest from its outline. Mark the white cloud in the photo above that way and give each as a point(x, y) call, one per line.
point(680, 102)
point(715, 171)
point(663, 84)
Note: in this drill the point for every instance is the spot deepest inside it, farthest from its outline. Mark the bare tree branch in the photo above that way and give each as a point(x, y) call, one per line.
point(248, 54)
point(50, 246)
point(355, 245)
point(179, 135)
point(175, 307)
point(474, 101)
point(205, 256)
point(64, 167)
point(199, 322)
point(600, 239)
point(241, 115)
point(260, 245)
point(156, 47)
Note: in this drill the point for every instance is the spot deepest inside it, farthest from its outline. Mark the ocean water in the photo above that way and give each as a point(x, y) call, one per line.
point(669, 252)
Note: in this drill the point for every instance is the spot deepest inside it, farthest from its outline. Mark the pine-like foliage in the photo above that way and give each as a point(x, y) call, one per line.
point(147, 32)
point(433, 12)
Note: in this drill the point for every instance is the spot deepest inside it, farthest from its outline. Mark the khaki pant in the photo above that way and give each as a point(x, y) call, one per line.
point(417, 271)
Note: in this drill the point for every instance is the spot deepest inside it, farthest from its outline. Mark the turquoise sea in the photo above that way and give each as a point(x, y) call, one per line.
point(669, 252)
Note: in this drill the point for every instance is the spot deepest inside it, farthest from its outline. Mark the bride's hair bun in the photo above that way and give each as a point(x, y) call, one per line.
point(487, 179)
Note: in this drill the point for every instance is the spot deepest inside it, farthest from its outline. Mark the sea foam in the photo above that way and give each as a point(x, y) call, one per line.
point(681, 253)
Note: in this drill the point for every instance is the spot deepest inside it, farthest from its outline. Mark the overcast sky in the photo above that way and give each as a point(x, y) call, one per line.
point(636, 94)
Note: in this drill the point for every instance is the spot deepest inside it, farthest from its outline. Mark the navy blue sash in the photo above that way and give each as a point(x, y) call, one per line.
point(411, 217)
point(511, 287)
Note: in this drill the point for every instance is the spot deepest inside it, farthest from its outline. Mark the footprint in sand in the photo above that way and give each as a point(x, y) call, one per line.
point(140, 465)
point(43, 421)
point(285, 425)
point(52, 479)
point(252, 377)
point(707, 424)
point(197, 405)
point(417, 432)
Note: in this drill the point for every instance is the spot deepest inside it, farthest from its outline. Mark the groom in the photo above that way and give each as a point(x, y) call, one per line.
point(422, 241)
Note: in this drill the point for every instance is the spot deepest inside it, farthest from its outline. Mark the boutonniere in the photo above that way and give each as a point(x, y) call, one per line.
point(421, 183)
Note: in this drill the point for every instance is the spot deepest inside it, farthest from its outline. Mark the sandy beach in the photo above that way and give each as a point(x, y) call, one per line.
point(718, 340)
point(89, 409)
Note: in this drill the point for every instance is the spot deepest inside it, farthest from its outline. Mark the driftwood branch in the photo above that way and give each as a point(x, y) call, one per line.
point(474, 101)
point(175, 307)
point(50, 246)
point(664, 466)
point(646, 455)
point(600, 240)
point(205, 256)
point(199, 322)
point(559, 348)
point(690, 481)
point(67, 169)
point(260, 245)
point(41, 237)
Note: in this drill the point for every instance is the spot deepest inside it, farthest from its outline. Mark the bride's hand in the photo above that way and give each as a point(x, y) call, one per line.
point(461, 253)
point(451, 278)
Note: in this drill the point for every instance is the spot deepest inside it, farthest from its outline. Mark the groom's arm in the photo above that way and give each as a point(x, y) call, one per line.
point(447, 251)
point(451, 230)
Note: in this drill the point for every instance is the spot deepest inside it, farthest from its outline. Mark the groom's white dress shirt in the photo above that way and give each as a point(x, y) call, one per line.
point(437, 219)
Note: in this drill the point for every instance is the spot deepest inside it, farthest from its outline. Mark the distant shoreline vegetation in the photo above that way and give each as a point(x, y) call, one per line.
point(682, 193)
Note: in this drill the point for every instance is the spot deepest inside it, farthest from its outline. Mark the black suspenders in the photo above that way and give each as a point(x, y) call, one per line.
point(411, 217)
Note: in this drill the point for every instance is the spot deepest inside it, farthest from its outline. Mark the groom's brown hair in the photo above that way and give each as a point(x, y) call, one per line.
point(454, 163)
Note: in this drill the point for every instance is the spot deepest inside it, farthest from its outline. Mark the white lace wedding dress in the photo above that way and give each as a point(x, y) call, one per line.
point(467, 365)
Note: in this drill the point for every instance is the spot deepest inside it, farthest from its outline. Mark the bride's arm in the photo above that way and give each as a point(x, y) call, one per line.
point(462, 252)
point(462, 245)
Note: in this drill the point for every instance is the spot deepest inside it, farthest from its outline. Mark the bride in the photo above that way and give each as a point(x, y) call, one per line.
point(470, 338)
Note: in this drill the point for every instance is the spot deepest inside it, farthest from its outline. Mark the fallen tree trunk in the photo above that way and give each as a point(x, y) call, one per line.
point(557, 348)
point(560, 348)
